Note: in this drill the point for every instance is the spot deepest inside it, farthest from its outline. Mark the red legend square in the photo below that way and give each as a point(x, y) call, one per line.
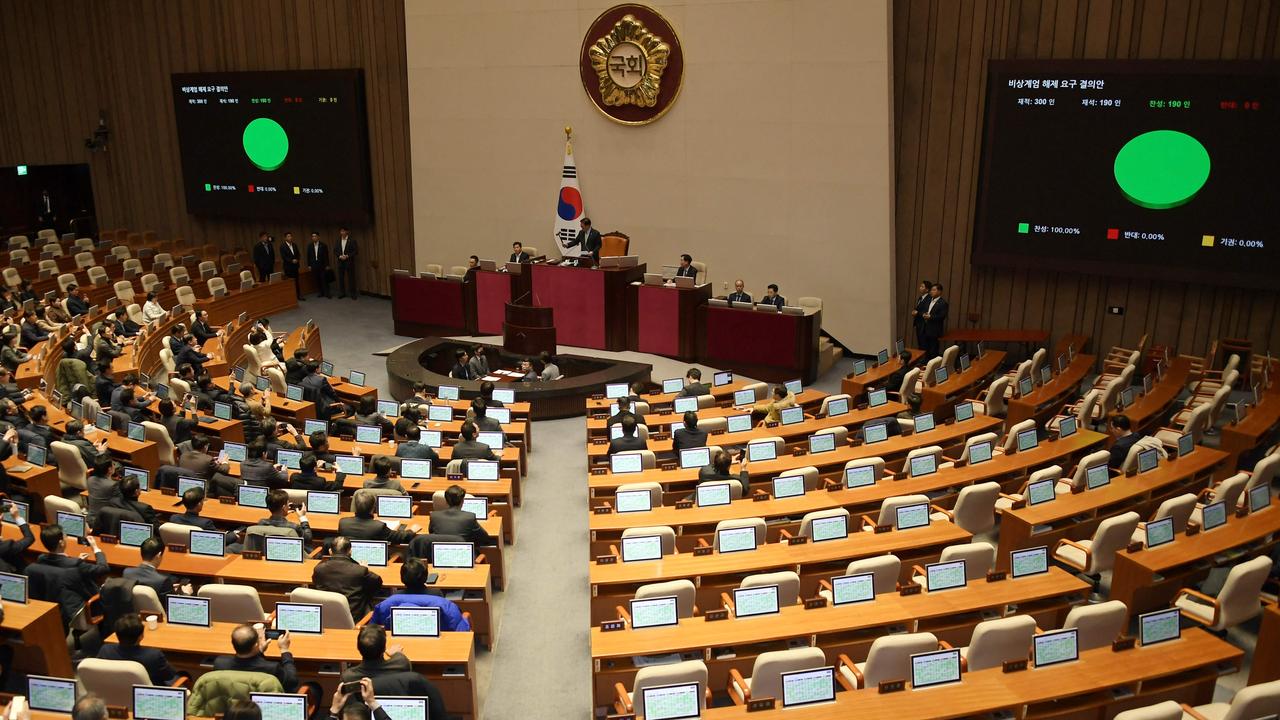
point(1113, 233)
point(250, 188)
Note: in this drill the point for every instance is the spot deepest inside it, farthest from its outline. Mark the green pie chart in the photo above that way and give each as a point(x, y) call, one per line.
point(265, 143)
point(1161, 169)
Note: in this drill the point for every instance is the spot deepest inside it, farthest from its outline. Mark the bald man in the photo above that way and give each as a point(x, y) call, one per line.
point(249, 645)
point(739, 295)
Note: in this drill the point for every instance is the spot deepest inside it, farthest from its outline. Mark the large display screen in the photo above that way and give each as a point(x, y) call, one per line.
point(280, 144)
point(1142, 169)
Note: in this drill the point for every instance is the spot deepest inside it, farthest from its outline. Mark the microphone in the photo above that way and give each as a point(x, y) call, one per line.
point(525, 295)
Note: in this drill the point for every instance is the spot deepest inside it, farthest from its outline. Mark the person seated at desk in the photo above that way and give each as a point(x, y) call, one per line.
point(101, 489)
point(322, 393)
point(341, 574)
point(31, 331)
point(413, 448)
point(152, 310)
point(771, 296)
point(249, 645)
point(201, 328)
point(128, 382)
point(9, 390)
point(278, 505)
point(460, 370)
point(364, 526)
point(486, 392)
point(11, 551)
point(416, 593)
point(307, 479)
point(129, 501)
point(76, 304)
point(1121, 428)
point(148, 571)
point(367, 414)
point(693, 385)
point(782, 398)
point(688, 436)
point(686, 268)
point(12, 356)
point(624, 411)
point(719, 469)
point(628, 439)
point(518, 255)
point(65, 580)
point(453, 520)
point(200, 464)
point(739, 295)
point(295, 368)
point(410, 416)
point(319, 442)
point(894, 382)
point(479, 363)
point(257, 470)
point(125, 326)
point(37, 429)
point(468, 448)
point(550, 371)
point(180, 428)
point(175, 338)
point(382, 480)
point(128, 647)
point(528, 374)
point(390, 671)
point(190, 354)
point(480, 416)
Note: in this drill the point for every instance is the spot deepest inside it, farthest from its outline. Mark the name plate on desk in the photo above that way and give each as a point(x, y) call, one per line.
point(453, 476)
point(661, 437)
point(797, 540)
point(665, 411)
point(1019, 504)
point(833, 486)
point(771, 424)
point(714, 615)
point(1010, 666)
point(669, 466)
point(168, 491)
point(889, 686)
point(599, 471)
point(700, 551)
point(1134, 547)
point(599, 441)
point(910, 589)
point(798, 452)
point(606, 559)
point(684, 504)
point(996, 576)
point(761, 704)
point(1193, 529)
point(759, 497)
point(597, 396)
point(176, 547)
point(226, 500)
point(882, 529)
point(117, 711)
point(1122, 644)
point(613, 625)
point(815, 603)
point(108, 539)
point(602, 510)
point(251, 554)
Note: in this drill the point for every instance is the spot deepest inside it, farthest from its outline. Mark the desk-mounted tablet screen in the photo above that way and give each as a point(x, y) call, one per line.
point(672, 385)
point(314, 426)
point(501, 414)
point(830, 528)
point(762, 600)
point(1046, 374)
point(922, 465)
point(182, 610)
point(964, 411)
point(51, 694)
point(945, 575)
point(478, 506)
point(683, 405)
point(875, 432)
point(410, 621)
point(923, 422)
point(941, 375)
point(724, 377)
point(72, 524)
point(1025, 386)
point(1159, 626)
point(251, 496)
point(641, 547)
point(133, 534)
point(980, 452)
point(493, 438)
point(482, 470)
point(758, 451)
point(612, 391)
point(1259, 498)
point(1214, 515)
point(1186, 444)
point(356, 378)
point(626, 463)
point(280, 548)
point(912, 516)
point(738, 539)
point(695, 457)
point(791, 415)
point(349, 464)
point(299, 617)
point(13, 588)
point(628, 501)
point(1056, 647)
point(786, 486)
point(1097, 476)
point(1159, 532)
point(278, 706)
point(222, 411)
point(935, 668)
point(859, 476)
point(878, 397)
point(205, 542)
point(712, 494)
point(1042, 491)
point(672, 702)
point(1031, 561)
point(293, 392)
point(323, 503)
point(439, 413)
point(453, 555)
point(291, 459)
point(964, 362)
point(369, 434)
point(859, 367)
point(822, 442)
point(389, 408)
point(742, 398)
point(152, 702)
point(849, 589)
point(1148, 459)
point(415, 469)
point(1066, 427)
point(882, 357)
point(404, 707)
point(838, 406)
point(806, 687)
point(1027, 440)
point(142, 476)
point(399, 507)
point(654, 612)
point(235, 451)
point(326, 367)
point(369, 552)
point(794, 386)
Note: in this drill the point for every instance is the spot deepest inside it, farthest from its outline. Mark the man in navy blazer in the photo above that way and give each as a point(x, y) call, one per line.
point(1121, 428)
point(935, 321)
point(129, 636)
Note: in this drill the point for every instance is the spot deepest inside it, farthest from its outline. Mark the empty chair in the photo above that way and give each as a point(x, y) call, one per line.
point(908, 386)
point(72, 472)
point(217, 286)
point(885, 570)
point(975, 508)
point(159, 434)
point(1195, 421)
point(132, 267)
point(993, 401)
point(713, 425)
point(54, 504)
point(1249, 703)
point(233, 603)
point(655, 491)
point(97, 275)
point(146, 601)
point(667, 535)
point(19, 256)
point(207, 269)
point(179, 275)
point(812, 480)
point(176, 533)
point(1178, 507)
point(1237, 601)
point(335, 613)
point(681, 673)
point(151, 283)
point(161, 261)
point(1228, 491)
point(839, 432)
point(1147, 443)
point(84, 260)
point(1097, 624)
point(121, 252)
point(458, 270)
point(979, 558)
point(950, 356)
point(12, 278)
point(888, 659)
point(996, 641)
point(112, 680)
point(757, 523)
point(134, 311)
point(1167, 710)
point(921, 452)
point(735, 487)
point(876, 463)
point(987, 437)
point(826, 403)
point(788, 583)
point(124, 291)
point(17, 241)
point(1098, 554)
point(48, 268)
point(434, 269)
point(1080, 476)
point(66, 280)
point(683, 591)
point(1011, 438)
point(929, 377)
point(889, 509)
point(1264, 472)
point(766, 673)
point(186, 296)
point(1053, 472)
point(84, 243)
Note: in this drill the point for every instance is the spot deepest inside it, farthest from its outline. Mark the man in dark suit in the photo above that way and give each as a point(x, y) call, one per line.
point(347, 251)
point(461, 369)
point(1121, 428)
point(480, 416)
point(588, 239)
point(739, 295)
point(89, 451)
point(688, 436)
point(278, 505)
point(295, 368)
point(693, 385)
point(201, 328)
point(76, 304)
point(341, 574)
point(518, 255)
point(628, 440)
point(198, 463)
point(318, 263)
point(468, 448)
point(248, 646)
point(189, 354)
point(390, 671)
point(307, 479)
point(624, 411)
point(258, 470)
point(11, 550)
point(148, 573)
point(935, 321)
point(67, 581)
point(456, 521)
point(31, 332)
point(128, 647)
point(321, 393)
point(291, 260)
point(719, 470)
point(364, 526)
point(686, 268)
point(38, 430)
point(129, 501)
point(193, 503)
point(264, 255)
point(771, 296)
point(413, 448)
point(917, 314)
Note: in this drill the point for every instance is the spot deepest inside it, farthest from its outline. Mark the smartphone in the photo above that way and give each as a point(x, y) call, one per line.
point(349, 687)
point(272, 633)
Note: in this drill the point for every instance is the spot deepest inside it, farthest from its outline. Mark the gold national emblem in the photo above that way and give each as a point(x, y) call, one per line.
point(630, 61)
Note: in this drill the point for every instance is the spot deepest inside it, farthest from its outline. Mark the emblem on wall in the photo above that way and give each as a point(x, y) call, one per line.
point(631, 64)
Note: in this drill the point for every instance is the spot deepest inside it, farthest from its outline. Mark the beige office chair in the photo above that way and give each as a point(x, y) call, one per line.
point(1178, 507)
point(1194, 421)
point(908, 386)
point(19, 256)
point(972, 440)
point(124, 291)
point(1010, 443)
point(788, 582)
point(255, 536)
point(112, 680)
point(1167, 710)
point(993, 401)
point(146, 601)
point(713, 425)
point(929, 377)
point(700, 277)
point(121, 252)
point(1097, 555)
point(979, 558)
point(885, 570)
point(151, 283)
point(1254, 701)
point(1264, 472)
point(334, 609)
point(921, 452)
point(766, 673)
point(179, 276)
point(1053, 472)
point(17, 241)
point(761, 390)
point(975, 508)
point(648, 460)
point(826, 403)
point(434, 268)
point(217, 286)
point(1229, 491)
point(999, 640)
point(84, 243)
point(72, 472)
point(66, 280)
point(54, 504)
point(839, 432)
point(888, 659)
point(134, 311)
point(685, 593)
point(757, 523)
point(666, 534)
point(168, 361)
point(12, 278)
point(1098, 624)
point(48, 268)
point(98, 276)
point(1080, 476)
point(950, 358)
point(889, 509)
point(877, 463)
point(1146, 443)
point(1236, 602)
point(161, 261)
point(233, 603)
point(812, 480)
point(655, 492)
point(176, 533)
point(84, 260)
point(186, 296)
point(159, 434)
point(681, 673)
point(132, 267)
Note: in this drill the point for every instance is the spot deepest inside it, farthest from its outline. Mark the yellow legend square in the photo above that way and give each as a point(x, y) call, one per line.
point(1206, 240)
point(298, 191)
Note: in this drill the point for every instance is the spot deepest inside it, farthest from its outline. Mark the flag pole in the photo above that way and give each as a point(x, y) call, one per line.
point(568, 139)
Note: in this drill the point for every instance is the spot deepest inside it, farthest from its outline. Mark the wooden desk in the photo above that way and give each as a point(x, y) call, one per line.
point(848, 629)
point(612, 585)
point(448, 661)
point(261, 300)
point(1148, 579)
point(1239, 438)
point(765, 345)
point(941, 399)
point(893, 450)
point(143, 454)
point(722, 393)
point(43, 647)
point(38, 481)
point(1150, 409)
point(1077, 516)
point(1028, 338)
point(431, 306)
point(1266, 653)
point(663, 319)
point(1186, 670)
point(664, 420)
point(498, 491)
point(1045, 401)
point(874, 377)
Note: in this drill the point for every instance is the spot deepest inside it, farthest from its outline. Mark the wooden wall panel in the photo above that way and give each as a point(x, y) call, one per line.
point(940, 53)
point(62, 60)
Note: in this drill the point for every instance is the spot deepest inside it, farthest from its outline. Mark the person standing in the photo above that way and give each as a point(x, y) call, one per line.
point(348, 249)
point(318, 263)
point(588, 239)
point(291, 259)
point(935, 321)
point(264, 256)
point(922, 306)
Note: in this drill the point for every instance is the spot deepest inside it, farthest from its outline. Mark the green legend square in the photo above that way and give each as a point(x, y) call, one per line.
point(208, 187)
point(1023, 228)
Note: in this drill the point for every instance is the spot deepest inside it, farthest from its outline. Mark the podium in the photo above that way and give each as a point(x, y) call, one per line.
point(528, 330)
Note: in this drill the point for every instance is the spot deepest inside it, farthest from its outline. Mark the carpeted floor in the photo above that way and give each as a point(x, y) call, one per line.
point(540, 665)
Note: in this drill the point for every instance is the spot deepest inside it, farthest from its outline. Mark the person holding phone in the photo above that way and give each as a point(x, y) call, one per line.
point(249, 644)
point(386, 671)
point(349, 697)
point(11, 550)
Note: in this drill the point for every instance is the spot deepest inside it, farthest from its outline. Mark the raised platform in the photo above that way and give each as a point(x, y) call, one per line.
point(429, 360)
